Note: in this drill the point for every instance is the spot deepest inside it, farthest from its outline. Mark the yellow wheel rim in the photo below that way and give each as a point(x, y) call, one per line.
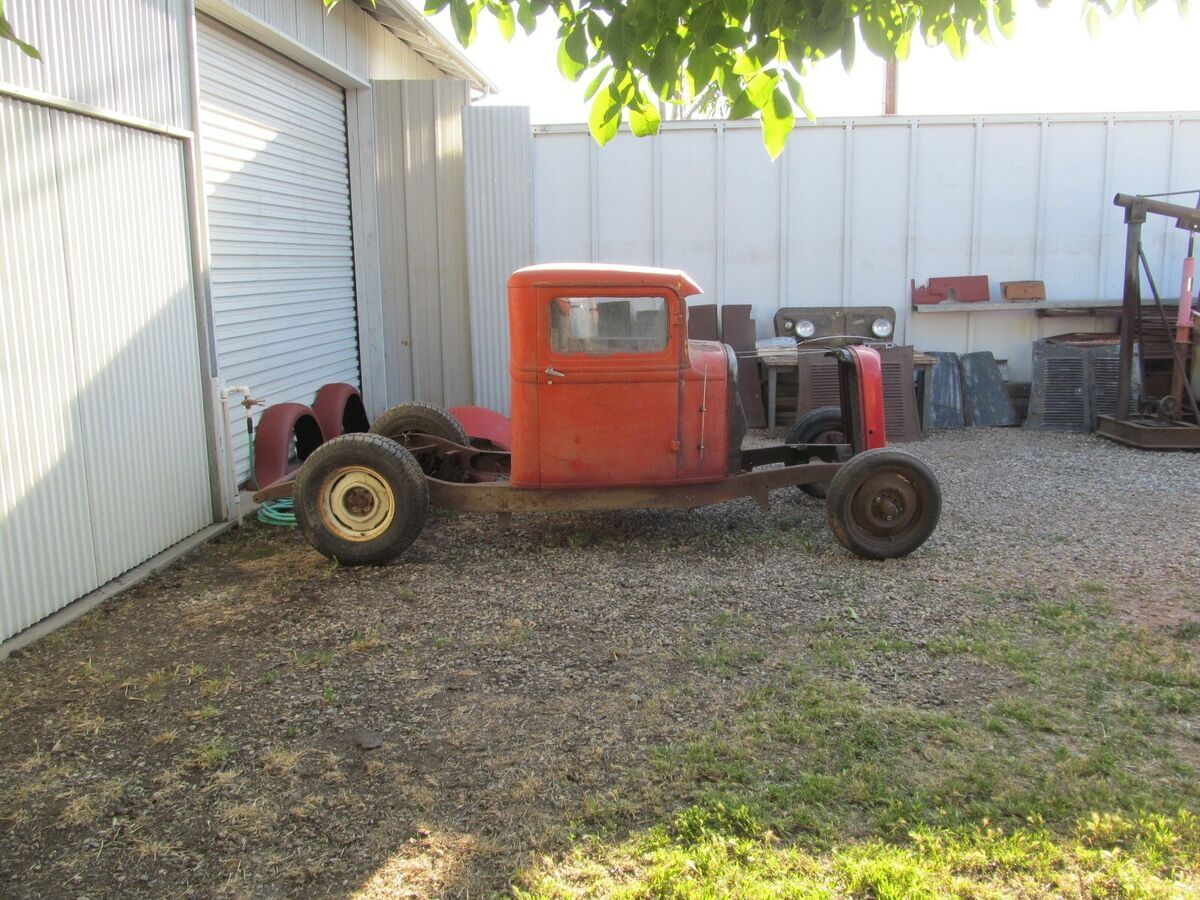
point(357, 504)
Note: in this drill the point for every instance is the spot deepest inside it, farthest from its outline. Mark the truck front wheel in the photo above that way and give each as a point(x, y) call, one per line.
point(883, 504)
point(361, 499)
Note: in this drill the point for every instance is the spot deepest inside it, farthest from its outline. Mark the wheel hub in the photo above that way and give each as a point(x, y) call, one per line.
point(886, 504)
point(357, 504)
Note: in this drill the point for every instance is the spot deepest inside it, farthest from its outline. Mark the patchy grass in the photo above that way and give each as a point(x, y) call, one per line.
point(1059, 786)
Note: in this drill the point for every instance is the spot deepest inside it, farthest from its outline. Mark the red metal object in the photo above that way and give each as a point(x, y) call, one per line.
point(339, 410)
point(277, 427)
point(483, 424)
point(869, 368)
point(960, 288)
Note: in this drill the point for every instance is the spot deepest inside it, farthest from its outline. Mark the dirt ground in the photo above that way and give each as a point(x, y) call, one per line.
point(258, 721)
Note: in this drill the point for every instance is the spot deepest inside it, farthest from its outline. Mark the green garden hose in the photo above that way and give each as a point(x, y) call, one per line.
point(272, 512)
point(278, 512)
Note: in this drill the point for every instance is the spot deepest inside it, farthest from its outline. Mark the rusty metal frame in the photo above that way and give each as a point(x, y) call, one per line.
point(485, 490)
point(502, 497)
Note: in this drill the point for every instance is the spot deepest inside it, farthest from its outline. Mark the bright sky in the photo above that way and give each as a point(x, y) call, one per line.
point(1051, 65)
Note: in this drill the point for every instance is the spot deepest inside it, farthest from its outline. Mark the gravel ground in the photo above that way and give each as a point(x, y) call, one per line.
point(213, 730)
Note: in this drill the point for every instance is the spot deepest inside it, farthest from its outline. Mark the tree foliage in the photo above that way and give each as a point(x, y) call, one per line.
point(754, 53)
point(751, 55)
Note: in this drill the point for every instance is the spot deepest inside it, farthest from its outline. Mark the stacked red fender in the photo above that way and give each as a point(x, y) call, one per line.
point(337, 409)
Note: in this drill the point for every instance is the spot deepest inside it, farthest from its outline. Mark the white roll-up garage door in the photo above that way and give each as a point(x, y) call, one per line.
point(273, 139)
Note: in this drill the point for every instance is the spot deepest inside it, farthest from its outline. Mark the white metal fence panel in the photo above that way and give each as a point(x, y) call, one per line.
point(123, 56)
point(104, 450)
point(276, 176)
point(499, 235)
point(855, 209)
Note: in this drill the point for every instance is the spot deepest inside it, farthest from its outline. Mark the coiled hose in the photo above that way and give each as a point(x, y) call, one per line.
point(280, 512)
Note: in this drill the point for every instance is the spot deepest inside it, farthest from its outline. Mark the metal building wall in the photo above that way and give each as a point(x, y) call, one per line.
point(123, 56)
point(499, 192)
point(422, 236)
point(856, 208)
point(98, 350)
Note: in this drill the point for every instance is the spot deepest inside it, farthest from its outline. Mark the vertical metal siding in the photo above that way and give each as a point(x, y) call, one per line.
point(137, 356)
point(123, 56)
point(499, 192)
point(422, 238)
point(453, 305)
point(105, 459)
point(854, 208)
point(46, 552)
point(276, 179)
point(390, 178)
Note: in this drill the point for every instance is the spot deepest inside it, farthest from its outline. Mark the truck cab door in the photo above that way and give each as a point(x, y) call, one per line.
point(610, 362)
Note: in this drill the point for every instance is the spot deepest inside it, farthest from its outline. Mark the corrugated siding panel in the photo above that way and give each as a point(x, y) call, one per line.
point(46, 552)
point(423, 240)
point(855, 208)
point(499, 149)
point(273, 139)
point(125, 224)
point(124, 56)
point(390, 174)
point(104, 454)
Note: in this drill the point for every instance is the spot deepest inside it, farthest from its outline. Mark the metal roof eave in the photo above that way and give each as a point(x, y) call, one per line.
point(413, 28)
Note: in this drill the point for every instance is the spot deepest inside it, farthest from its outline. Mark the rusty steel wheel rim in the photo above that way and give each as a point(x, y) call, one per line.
point(886, 505)
point(357, 504)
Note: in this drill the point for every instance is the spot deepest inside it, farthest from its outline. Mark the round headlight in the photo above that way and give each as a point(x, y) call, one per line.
point(788, 324)
point(881, 328)
point(805, 329)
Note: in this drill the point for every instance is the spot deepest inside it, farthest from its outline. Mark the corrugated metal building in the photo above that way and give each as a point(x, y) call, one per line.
point(199, 195)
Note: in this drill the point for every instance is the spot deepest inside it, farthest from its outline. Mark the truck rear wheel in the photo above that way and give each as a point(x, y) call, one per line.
point(420, 417)
point(883, 504)
point(361, 499)
point(818, 426)
point(425, 418)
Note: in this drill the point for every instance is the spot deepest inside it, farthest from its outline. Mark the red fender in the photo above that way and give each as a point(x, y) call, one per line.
point(869, 369)
point(339, 410)
point(481, 423)
point(273, 437)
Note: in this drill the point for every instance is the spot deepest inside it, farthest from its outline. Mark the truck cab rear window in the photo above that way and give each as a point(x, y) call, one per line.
point(601, 325)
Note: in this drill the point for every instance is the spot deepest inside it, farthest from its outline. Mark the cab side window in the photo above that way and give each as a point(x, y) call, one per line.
point(602, 325)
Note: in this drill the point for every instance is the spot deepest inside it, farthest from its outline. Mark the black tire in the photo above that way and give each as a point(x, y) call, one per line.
point(425, 418)
point(883, 504)
point(818, 426)
point(421, 417)
point(361, 499)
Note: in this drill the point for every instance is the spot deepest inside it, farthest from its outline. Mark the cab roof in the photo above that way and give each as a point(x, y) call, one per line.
point(600, 275)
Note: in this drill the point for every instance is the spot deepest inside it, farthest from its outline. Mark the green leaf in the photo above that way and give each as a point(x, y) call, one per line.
point(1093, 20)
point(700, 66)
point(760, 89)
point(605, 118)
point(848, 45)
point(572, 53)
point(741, 107)
point(645, 120)
point(7, 33)
point(794, 88)
point(596, 82)
point(526, 17)
point(462, 15)
point(507, 21)
point(777, 122)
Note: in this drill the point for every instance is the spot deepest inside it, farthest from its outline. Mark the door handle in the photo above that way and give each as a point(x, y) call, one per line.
point(554, 373)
